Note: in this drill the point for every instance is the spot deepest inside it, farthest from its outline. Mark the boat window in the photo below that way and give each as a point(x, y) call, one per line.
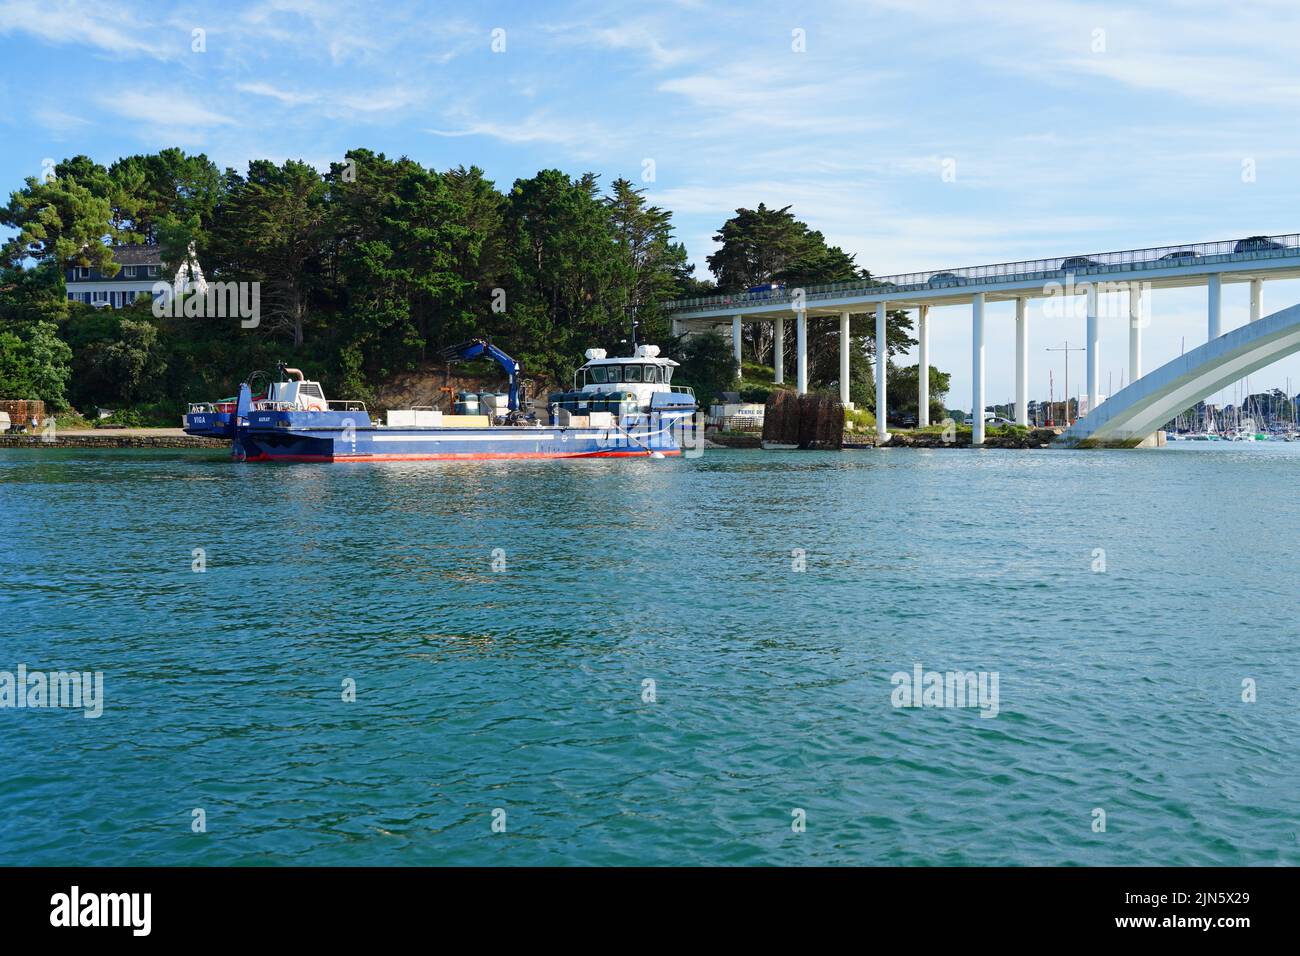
point(597, 373)
point(611, 373)
point(631, 373)
point(668, 374)
point(651, 373)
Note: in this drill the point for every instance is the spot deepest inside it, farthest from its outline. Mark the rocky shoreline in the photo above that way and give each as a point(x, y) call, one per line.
point(110, 441)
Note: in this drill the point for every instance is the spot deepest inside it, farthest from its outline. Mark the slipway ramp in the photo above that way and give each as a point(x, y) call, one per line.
point(1137, 412)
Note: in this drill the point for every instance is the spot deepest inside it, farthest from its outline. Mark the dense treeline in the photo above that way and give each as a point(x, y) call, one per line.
point(369, 270)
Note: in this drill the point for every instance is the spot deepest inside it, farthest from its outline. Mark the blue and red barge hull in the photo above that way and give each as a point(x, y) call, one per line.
point(293, 436)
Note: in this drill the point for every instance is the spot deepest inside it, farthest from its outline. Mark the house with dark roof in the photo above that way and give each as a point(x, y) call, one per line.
point(141, 269)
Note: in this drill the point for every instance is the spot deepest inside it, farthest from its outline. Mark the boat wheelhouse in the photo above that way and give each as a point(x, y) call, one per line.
point(638, 384)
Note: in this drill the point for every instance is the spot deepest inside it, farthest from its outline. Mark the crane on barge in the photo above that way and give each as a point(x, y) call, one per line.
point(473, 348)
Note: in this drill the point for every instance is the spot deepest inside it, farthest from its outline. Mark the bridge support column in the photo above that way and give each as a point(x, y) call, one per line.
point(1215, 306)
point(977, 370)
point(735, 343)
point(844, 358)
point(1094, 338)
point(1256, 299)
point(923, 367)
point(778, 349)
point(882, 363)
point(1022, 364)
point(1135, 306)
point(801, 352)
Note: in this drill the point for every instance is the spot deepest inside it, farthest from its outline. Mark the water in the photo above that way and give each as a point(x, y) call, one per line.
point(523, 690)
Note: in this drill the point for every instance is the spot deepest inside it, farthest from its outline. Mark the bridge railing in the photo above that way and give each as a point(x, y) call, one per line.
point(1129, 260)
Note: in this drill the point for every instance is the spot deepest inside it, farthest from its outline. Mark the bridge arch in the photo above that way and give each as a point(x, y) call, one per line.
point(1136, 412)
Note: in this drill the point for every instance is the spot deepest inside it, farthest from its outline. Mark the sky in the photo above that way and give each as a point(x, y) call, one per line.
point(915, 134)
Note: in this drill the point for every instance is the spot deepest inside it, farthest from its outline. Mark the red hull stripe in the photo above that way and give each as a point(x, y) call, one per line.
point(468, 456)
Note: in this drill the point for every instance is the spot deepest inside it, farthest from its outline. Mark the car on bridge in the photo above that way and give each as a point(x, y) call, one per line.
point(942, 280)
point(1257, 244)
point(1180, 255)
point(1078, 262)
point(769, 291)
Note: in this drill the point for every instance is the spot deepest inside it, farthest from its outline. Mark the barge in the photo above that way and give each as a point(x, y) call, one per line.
point(618, 408)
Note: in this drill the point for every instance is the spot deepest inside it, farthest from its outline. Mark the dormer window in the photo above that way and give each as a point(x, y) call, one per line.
point(155, 270)
point(83, 272)
point(128, 272)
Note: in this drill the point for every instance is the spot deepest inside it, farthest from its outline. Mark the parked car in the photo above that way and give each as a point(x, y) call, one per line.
point(1257, 244)
point(991, 419)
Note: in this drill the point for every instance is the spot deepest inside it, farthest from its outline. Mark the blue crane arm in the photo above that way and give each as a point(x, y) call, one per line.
point(468, 351)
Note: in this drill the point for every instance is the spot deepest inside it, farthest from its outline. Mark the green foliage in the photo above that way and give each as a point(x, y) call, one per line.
point(860, 419)
point(903, 392)
point(160, 414)
point(16, 373)
point(706, 365)
point(61, 221)
point(118, 357)
point(35, 365)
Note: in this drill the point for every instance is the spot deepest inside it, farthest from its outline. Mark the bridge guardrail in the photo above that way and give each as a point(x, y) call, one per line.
point(1130, 260)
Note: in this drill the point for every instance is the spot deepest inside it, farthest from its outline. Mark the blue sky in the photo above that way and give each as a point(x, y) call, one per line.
point(1072, 127)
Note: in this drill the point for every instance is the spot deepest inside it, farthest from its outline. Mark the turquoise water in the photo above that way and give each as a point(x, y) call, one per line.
point(523, 689)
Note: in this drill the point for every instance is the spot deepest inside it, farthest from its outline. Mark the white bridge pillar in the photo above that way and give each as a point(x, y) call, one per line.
point(1135, 320)
point(1022, 363)
point(923, 367)
point(735, 343)
point(882, 362)
point(1256, 299)
point(844, 358)
point(1215, 306)
point(1094, 336)
point(778, 349)
point(977, 370)
point(801, 352)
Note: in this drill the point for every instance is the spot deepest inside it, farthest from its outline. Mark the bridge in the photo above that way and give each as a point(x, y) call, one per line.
point(1136, 272)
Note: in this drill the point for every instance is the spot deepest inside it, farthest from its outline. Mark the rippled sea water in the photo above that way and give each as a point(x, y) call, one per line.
point(523, 689)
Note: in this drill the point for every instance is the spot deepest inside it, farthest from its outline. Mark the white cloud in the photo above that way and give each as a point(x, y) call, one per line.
point(580, 136)
point(167, 109)
point(287, 97)
point(113, 29)
point(637, 36)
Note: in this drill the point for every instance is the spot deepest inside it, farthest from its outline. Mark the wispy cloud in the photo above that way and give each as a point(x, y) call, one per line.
point(163, 108)
point(115, 29)
point(287, 97)
point(638, 36)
